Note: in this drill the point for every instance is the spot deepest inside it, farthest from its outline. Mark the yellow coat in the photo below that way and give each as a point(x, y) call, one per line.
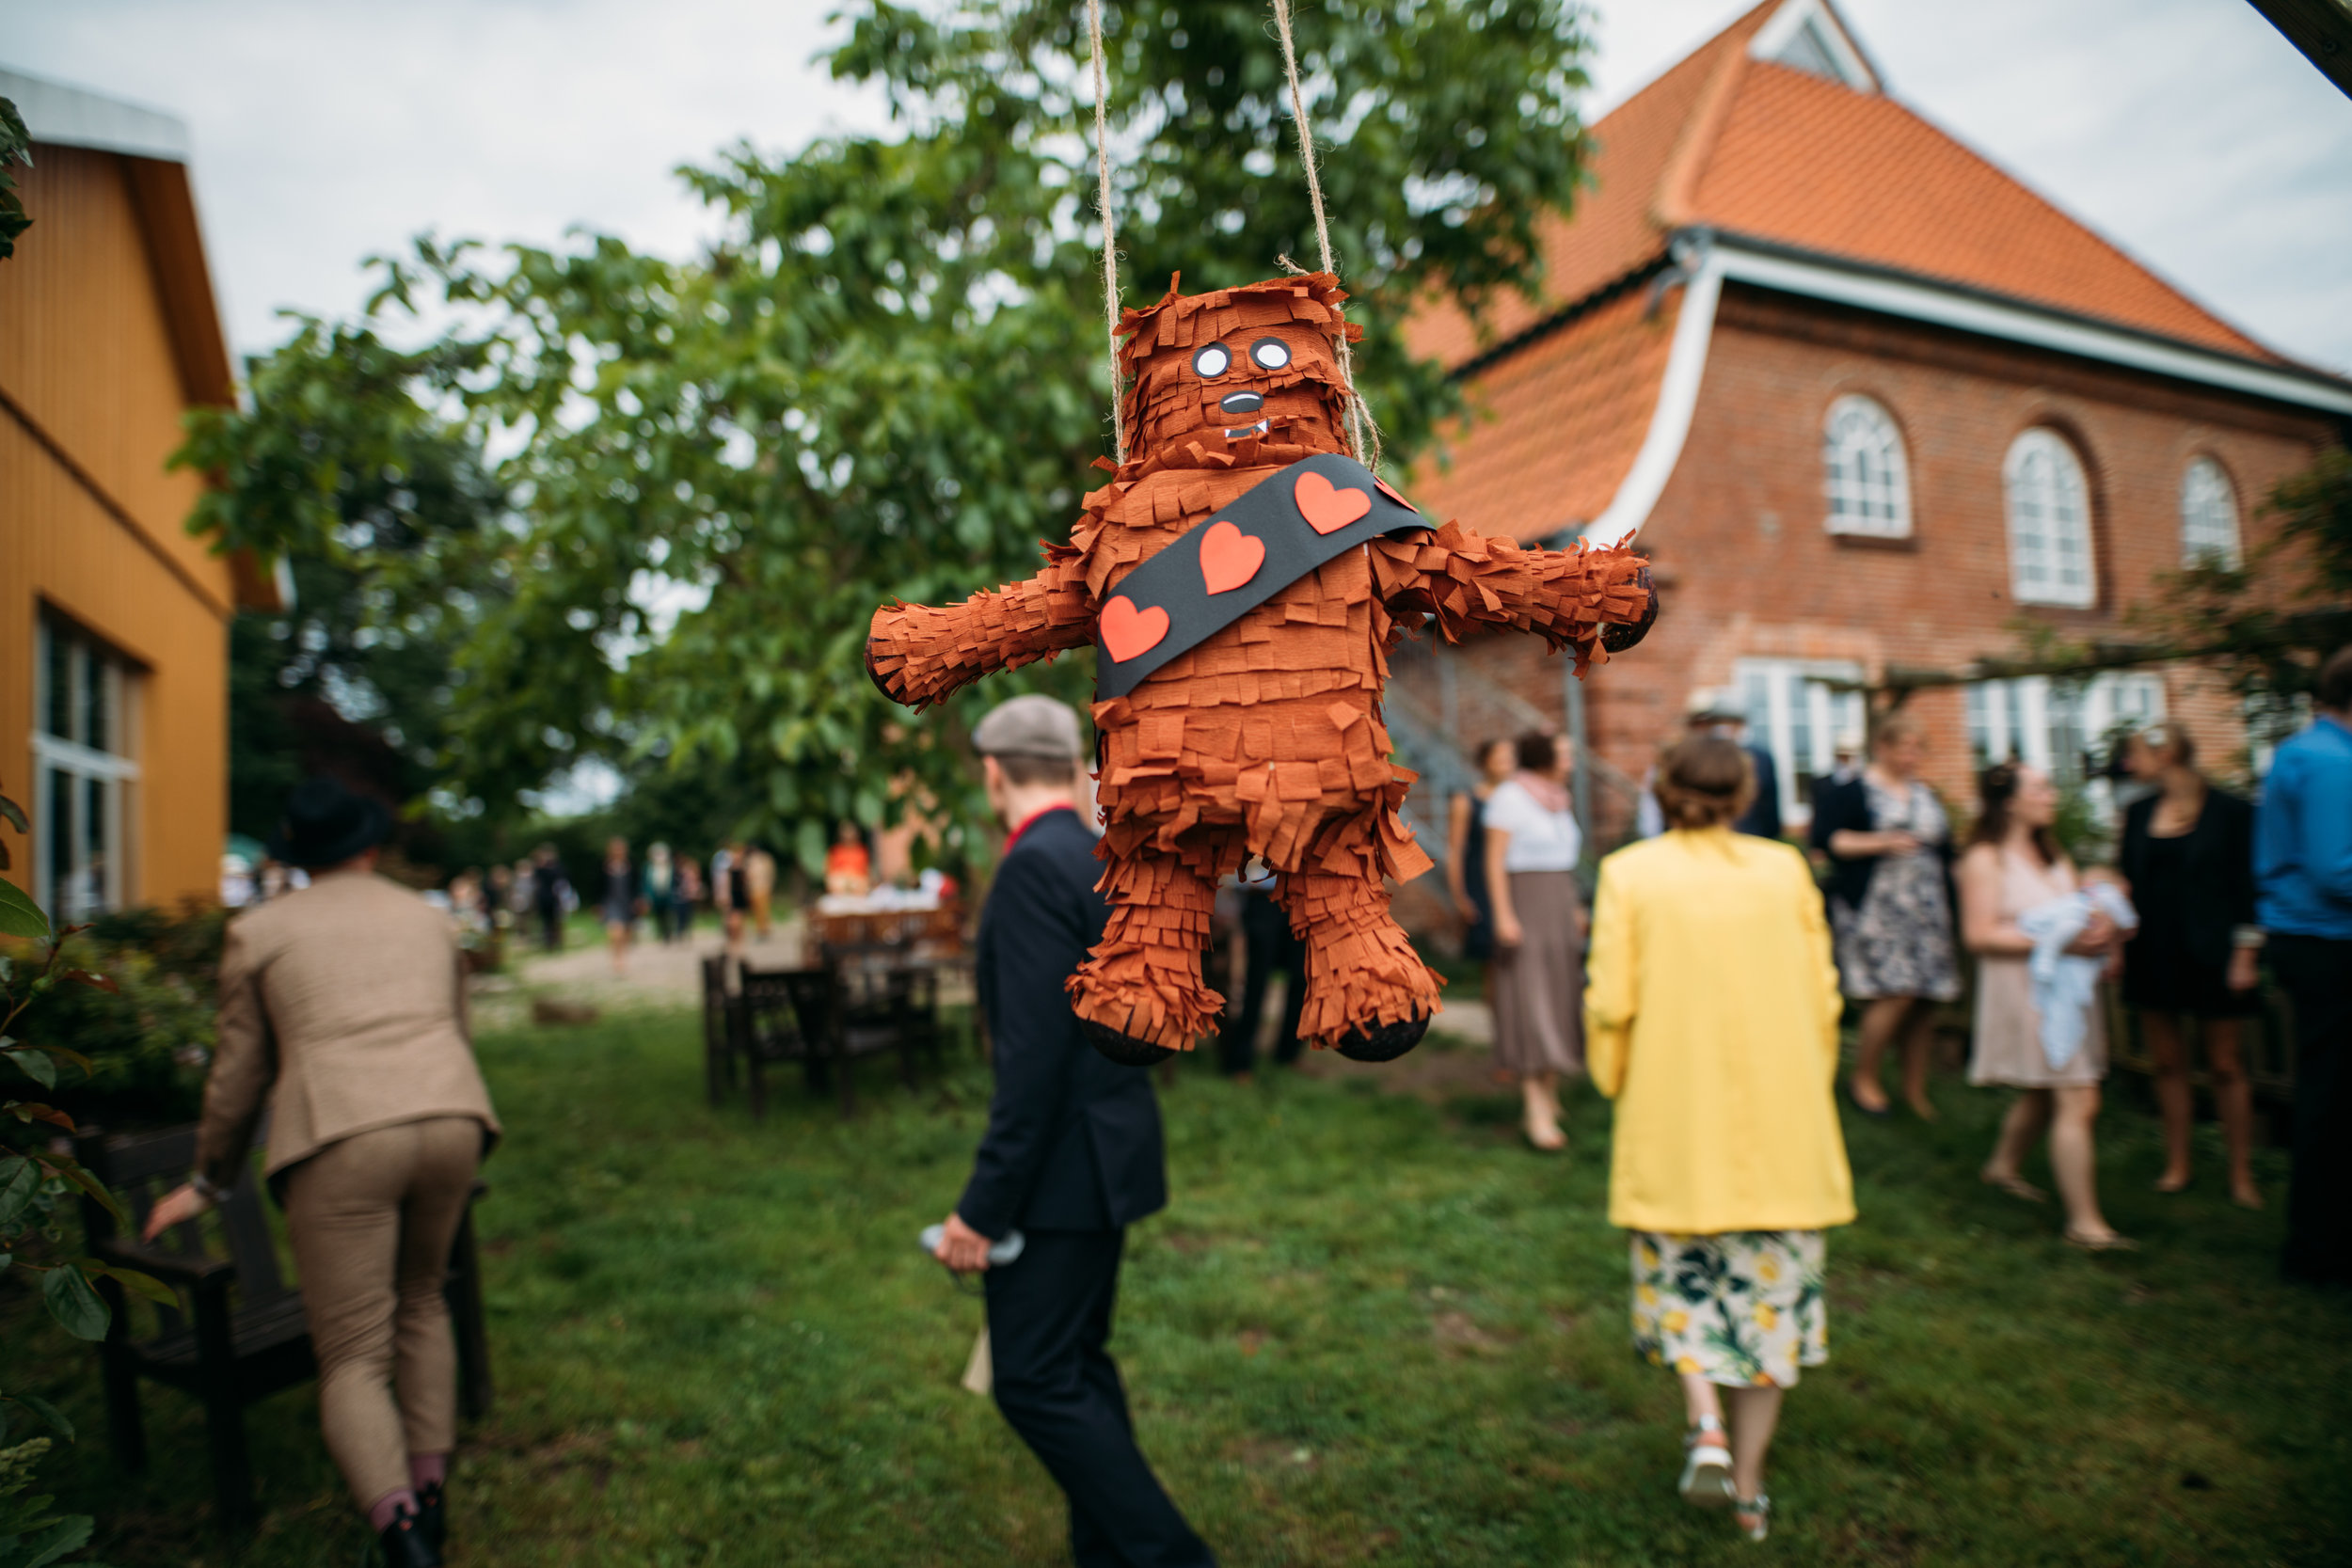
point(1710, 1018)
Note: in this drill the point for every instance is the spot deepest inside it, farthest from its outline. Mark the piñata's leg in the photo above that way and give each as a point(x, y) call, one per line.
point(1139, 995)
point(1368, 993)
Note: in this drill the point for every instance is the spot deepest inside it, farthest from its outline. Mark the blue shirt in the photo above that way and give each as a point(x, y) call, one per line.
point(2303, 836)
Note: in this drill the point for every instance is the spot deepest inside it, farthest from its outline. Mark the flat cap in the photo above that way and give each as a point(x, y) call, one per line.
point(1030, 726)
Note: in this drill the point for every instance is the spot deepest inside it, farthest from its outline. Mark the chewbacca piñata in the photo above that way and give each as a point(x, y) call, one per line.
point(1242, 579)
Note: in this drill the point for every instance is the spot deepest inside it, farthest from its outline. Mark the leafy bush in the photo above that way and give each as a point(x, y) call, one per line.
point(148, 1039)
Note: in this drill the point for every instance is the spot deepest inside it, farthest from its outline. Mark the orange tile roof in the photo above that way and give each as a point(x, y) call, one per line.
point(1775, 153)
point(1553, 427)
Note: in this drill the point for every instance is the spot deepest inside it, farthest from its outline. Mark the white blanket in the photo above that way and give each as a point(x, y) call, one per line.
point(2065, 985)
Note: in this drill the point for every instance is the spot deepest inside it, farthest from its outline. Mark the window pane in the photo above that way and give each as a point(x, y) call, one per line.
point(2049, 522)
point(57, 685)
point(97, 704)
point(59, 834)
point(1863, 470)
point(95, 859)
point(2208, 516)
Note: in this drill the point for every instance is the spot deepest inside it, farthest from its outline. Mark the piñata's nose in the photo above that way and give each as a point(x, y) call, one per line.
point(1241, 403)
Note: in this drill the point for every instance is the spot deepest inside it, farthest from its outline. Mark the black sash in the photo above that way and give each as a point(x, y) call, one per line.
point(1270, 536)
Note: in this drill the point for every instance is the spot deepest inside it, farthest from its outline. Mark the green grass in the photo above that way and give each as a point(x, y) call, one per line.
point(1369, 1329)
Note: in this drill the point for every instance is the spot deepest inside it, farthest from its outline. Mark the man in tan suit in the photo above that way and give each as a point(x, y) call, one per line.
point(342, 1012)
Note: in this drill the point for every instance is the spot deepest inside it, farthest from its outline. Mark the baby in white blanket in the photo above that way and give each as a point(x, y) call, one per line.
point(2066, 984)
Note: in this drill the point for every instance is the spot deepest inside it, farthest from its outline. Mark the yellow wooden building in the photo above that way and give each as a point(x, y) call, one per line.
point(113, 619)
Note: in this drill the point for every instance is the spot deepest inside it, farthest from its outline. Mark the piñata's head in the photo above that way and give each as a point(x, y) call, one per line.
point(1236, 366)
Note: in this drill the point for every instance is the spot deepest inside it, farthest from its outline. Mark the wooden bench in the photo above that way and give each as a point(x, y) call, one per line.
point(239, 1334)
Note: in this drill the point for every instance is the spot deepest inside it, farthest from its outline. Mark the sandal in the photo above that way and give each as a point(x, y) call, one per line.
point(1754, 1515)
point(2112, 1242)
point(1706, 1464)
point(2016, 1186)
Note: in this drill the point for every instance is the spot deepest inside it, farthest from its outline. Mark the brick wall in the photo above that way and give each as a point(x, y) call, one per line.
point(1748, 571)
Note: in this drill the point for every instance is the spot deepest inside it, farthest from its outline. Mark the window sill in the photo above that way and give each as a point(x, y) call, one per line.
point(1843, 537)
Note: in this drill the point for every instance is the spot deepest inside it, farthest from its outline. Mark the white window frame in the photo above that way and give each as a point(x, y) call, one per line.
point(2048, 725)
point(68, 893)
point(2049, 520)
point(1796, 721)
point(2209, 526)
point(1855, 432)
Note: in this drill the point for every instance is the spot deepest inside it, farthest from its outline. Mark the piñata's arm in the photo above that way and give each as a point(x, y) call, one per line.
point(919, 655)
point(1595, 601)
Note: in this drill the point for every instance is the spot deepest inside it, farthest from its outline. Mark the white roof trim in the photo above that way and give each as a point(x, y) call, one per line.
point(2022, 323)
point(1844, 53)
point(1678, 398)
point(74, 116)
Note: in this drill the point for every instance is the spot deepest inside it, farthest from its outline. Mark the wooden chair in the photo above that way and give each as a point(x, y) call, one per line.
point(239, 1334)
point(768, 1021)
point(719, 1043)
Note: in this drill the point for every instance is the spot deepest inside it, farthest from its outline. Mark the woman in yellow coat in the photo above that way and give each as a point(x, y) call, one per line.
point(1710, 1018)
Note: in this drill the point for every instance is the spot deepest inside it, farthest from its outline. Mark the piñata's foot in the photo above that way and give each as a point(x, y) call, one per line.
point(1142, 981)
point(1125, 1050)
point(1625, 634)
point(1368, 995)
point(1385, 1042)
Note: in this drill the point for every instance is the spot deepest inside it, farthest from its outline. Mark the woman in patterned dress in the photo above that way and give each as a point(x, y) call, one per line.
point(1710, 1018)
point(1889, 843)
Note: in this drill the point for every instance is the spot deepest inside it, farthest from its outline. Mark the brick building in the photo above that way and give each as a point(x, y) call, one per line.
point(1867, 401)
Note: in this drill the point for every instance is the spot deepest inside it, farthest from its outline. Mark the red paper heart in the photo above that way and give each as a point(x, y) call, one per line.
point(1128, 631)
point(1325, 506)
point(1229, 557)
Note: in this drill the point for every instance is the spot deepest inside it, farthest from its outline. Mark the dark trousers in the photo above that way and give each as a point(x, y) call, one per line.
point(2317, 974)
point(1268, 941)
point(552, 926)
point(1049, 1315)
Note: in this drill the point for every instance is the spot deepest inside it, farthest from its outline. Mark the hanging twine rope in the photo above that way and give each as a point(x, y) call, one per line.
point(1362, 433)
point(1110, 239)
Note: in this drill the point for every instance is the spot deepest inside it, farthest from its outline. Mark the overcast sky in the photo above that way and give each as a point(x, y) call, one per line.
point(2186, 131)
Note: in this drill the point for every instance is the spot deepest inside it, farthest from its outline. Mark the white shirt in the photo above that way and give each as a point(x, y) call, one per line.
point(1540, 839)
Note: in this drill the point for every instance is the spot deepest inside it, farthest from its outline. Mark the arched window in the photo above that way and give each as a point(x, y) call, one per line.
point(2208, 516)
point(2049, 522)
point(1869, 484)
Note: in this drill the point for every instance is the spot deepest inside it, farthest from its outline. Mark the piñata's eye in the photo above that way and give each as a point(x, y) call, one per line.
point(1212, 362)
point(1270, 353)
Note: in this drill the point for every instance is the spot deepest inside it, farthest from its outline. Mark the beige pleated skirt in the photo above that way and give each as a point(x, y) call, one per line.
point(1538, 987)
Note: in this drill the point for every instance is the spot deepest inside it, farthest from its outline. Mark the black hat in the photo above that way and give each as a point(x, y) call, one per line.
point(326, 824)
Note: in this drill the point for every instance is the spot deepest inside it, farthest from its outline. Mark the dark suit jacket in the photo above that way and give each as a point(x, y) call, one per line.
point(1846, 803)
point(2220, 892)
point(1762, 818)
point(1074, 1139)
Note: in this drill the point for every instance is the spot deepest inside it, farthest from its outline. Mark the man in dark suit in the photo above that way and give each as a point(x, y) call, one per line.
point(1072, 1156)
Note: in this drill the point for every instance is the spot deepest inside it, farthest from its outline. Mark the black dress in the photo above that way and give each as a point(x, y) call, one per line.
point(1478, 942)
point(2191, 891)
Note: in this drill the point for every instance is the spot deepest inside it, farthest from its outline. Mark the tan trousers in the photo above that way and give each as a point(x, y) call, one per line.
point(372, 1218)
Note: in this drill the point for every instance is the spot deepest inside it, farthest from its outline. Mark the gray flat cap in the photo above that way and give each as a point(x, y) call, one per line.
point(1031, 726)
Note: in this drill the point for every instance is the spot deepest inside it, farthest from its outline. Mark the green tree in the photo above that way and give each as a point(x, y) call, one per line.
point(15, 148)
point(887, 376)
point(356, 466)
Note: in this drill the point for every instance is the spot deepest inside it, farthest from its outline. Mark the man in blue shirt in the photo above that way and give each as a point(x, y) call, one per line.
point(2303, 874)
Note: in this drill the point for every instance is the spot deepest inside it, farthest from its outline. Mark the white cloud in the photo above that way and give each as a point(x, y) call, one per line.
point(2186, 131)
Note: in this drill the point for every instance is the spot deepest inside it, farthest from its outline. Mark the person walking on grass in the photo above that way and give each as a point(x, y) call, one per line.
point(1071, 1157)
point(620, 903)
point(2013, 867)
point(2303, 868)
point(661, 892)
point(343, 1015)
point(1710, 1017)
point(1888, 843)
point(2187, 854)
point(1532, 849)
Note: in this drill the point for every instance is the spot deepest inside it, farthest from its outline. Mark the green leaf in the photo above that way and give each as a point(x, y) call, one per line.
point(36, 1063)
point(138, 1284)
point(74, 1304)
point(14, 814)
point(20, 1178)
point(73, 1172)
point(46, 1546)
point(19, 916)
point(47, 1412)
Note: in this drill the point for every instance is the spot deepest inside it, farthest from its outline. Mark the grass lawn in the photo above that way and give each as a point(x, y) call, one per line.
point(1371, 1329)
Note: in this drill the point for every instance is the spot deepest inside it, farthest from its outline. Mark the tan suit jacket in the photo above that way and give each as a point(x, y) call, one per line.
point(343, 1008)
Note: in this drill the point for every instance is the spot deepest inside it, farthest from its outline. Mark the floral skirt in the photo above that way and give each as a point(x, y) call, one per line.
point(1742, 1308)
